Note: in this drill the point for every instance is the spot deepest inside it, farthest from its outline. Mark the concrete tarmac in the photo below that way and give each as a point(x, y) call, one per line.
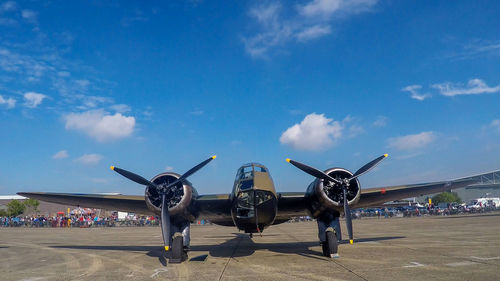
point(422, 248)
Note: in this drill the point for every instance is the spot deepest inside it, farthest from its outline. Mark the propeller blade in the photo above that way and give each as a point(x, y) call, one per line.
point(368, 166)
point(312, 171)
point(131, 176)
point(191, 171)
point(348, 218)
point(165, 224)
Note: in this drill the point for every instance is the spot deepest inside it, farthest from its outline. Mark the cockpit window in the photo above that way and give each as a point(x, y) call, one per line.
point(259, 169)
point(245, 172)
point(246, 184)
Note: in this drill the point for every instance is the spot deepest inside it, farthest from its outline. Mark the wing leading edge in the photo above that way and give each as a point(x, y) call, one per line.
point(127, 203)
point(213, 207)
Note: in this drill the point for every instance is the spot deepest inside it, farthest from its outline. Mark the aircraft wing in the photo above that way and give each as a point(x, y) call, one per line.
point(126, 203)
point(292, 204)
point(377, 196)
point(213, 207)
point(371, 197)
point(216, 208)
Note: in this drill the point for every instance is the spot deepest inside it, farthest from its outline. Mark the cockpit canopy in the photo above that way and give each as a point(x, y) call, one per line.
point(247, 171)
point(246, 174)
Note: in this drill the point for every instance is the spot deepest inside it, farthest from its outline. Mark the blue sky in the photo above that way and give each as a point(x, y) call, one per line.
point(153, 86)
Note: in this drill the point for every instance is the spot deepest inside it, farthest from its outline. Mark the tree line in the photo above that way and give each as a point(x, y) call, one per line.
point(16, 207)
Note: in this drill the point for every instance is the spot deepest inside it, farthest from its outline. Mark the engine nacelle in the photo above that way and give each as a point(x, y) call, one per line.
point(328, 196)
point(179, 198)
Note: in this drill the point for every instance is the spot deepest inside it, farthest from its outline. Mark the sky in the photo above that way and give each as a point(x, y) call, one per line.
point(155, 86)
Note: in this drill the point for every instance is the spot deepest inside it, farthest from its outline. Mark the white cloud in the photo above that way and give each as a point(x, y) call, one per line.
point(12, 62)
point(169, 168)
point(315, 132)
point(474, 87)
point(101, 125)
point(381, 121)
point(29, 16)
point(10, 102)
point(61, 155)
point(313, 32)
point(92, 101)
point(478, 49)
point(32, 99)
point(411, 142)
point(329, 8)
point(306, 22)
point(413, 90)
point(121, 108)
point(319, 8)
point(89, 159)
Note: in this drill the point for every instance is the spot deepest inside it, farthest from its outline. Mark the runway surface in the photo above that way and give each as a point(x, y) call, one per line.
point(423, 248)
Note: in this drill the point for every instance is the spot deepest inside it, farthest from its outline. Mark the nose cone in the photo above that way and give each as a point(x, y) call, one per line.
point(254, 210)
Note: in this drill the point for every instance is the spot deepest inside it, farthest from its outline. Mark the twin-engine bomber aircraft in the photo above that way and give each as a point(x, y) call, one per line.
point(253, 204)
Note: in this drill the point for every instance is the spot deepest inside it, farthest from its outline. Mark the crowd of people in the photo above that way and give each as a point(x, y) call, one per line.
point(82, 221)
point(413, 211)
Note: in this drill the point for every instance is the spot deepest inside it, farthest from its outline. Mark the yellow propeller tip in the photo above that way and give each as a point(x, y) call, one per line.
point(215, 156)
point(351, 242)
point(112, 168)
point(288, 160)
point(385, 155)
point(166, 248)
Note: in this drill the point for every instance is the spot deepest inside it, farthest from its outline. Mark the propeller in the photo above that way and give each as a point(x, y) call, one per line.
point(367, 167)
point(312, 171)
point(165, 216)
point(344, 183)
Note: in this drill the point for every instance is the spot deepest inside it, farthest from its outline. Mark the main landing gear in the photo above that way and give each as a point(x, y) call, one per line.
point(329, 235)
point(331, 244)
point(178, 253)
point(179, 249)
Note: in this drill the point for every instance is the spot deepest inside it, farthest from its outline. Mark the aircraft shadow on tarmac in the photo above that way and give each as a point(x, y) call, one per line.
point(241, 245)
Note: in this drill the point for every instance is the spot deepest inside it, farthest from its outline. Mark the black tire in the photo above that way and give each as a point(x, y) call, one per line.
point(332, 244)
point(326, 251)
point(177, 248)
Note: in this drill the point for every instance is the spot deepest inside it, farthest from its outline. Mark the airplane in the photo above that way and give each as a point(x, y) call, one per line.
point(253, 205)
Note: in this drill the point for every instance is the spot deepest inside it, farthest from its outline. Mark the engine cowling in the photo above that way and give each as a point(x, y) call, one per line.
point(178, 198)
point(328, 196)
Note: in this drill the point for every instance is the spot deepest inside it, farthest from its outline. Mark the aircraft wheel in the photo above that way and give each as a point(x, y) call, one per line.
point(331, 245)
point(326, 251)
point(177, 253)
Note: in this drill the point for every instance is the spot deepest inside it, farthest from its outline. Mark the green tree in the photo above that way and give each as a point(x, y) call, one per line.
point(31, 205)
point(15, 208)
point(3, 213)
point(446, 197)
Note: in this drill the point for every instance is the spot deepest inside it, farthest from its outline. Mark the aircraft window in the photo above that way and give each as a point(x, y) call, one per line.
point(245, 199)
point(262, 197)
point(260, 169)
point(246, 172)
point(246, 184)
